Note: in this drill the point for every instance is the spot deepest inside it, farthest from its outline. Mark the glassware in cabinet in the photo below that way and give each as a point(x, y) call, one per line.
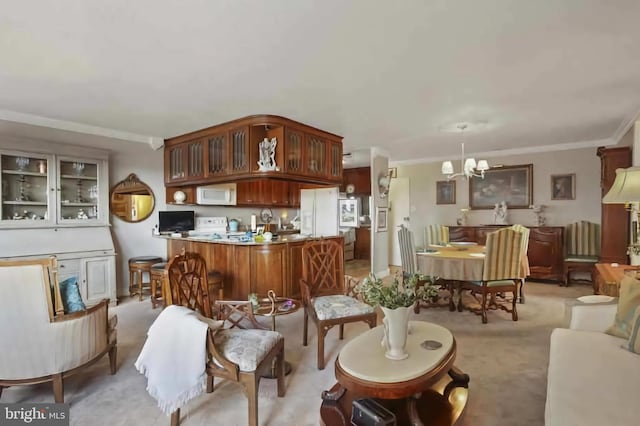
point(24, 189)
point(78, 190)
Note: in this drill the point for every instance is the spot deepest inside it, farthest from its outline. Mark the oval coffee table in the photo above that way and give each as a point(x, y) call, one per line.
point(425, 388)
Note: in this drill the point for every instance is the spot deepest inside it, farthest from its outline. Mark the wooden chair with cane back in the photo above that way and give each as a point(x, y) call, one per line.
point(233, 353)
point(324, 293)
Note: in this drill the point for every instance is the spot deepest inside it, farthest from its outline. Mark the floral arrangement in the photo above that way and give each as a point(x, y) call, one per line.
point(414, 287)
point(633, 249)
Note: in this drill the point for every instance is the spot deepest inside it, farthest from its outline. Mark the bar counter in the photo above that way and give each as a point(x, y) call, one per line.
point(250, 267)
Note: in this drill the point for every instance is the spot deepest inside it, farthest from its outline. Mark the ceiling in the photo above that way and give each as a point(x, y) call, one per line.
point(538, 75)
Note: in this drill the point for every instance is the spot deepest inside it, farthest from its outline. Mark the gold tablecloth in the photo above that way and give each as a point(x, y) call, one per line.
point(451, 263)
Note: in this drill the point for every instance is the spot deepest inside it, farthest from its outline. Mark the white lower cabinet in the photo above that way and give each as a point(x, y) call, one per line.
point(95, 276)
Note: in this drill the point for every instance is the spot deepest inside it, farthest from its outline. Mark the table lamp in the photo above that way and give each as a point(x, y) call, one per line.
point(626, 190)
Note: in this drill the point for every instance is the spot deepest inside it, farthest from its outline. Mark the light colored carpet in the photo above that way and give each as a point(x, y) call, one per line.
point(506, 360)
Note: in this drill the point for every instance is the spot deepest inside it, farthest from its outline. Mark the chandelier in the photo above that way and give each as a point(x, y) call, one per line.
point(469, 166)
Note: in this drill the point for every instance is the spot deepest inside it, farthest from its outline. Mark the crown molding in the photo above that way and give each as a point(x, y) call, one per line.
point(624, 126)
point(515, 151)
point(70, 126)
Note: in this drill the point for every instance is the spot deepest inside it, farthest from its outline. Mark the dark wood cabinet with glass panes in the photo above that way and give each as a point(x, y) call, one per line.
point(230, 152)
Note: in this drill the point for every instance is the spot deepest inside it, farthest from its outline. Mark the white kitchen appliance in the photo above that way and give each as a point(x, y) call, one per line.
point(319, 212)
point(207, 226)
point(216, 195)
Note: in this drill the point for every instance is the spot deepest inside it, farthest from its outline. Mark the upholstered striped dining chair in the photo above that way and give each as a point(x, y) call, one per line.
point(501, 273)
point(582, 242)
point(525, 260)
point(407, 251)
point(437, 234)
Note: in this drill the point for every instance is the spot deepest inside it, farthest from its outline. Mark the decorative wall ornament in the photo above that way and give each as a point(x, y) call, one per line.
point(539, 211)
point(267, 161)
point(500, 213)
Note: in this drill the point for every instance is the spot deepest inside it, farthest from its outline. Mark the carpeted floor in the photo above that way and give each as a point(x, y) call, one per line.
point(506, 360)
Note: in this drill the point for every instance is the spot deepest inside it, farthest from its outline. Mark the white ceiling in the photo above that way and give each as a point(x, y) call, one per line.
point(388, 74)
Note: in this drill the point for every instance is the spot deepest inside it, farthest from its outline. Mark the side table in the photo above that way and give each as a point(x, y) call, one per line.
point(425, 388)
point(272, 308)
point(608, 277)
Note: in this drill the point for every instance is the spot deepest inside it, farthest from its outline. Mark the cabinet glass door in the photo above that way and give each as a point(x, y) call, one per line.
point(24, 189)
point(78, 190)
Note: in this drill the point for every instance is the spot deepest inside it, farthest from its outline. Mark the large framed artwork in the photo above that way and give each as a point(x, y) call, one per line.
point(511, 184)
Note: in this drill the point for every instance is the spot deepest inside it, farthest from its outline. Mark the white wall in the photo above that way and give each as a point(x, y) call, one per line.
point(583, 162)
point(379, 240)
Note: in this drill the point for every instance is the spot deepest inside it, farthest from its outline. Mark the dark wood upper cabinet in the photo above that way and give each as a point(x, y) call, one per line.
point(614, 232)
point(359, 177)
point(229, 152)
point(185, 162)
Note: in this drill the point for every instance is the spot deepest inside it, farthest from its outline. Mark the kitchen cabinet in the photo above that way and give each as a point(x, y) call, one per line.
point(614, 222)
point(545, 251)
point(362, 244)
point(264, 192)
point(43, 190)
point(229, 152)
point(251, 268)
point(360, 178)
point(185, 162)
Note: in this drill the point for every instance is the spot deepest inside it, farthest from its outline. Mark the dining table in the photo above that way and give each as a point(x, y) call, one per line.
point(452, 264)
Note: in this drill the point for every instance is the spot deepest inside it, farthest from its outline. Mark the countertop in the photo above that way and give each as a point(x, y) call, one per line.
point(206, 239)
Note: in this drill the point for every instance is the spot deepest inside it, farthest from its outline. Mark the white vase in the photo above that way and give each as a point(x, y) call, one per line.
point(396, 328)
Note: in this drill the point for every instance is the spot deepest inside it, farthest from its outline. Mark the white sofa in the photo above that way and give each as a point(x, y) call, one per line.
point(591, 380)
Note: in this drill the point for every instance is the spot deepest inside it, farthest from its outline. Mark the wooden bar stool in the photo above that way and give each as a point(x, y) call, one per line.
point(216, 283)
point(158, 280)
point(137, 267)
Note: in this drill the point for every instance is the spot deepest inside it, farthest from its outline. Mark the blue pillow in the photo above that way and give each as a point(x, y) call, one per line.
point(71, 299)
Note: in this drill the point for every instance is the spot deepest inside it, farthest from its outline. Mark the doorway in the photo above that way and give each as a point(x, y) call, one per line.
point(399, 207)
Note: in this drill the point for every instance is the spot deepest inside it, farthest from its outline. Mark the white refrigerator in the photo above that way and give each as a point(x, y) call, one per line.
point(319, 212)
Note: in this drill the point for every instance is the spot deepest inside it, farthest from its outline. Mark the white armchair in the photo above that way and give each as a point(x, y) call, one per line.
point(45, 343)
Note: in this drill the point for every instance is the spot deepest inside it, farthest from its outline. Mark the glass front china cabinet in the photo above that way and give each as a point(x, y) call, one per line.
point(44, 190)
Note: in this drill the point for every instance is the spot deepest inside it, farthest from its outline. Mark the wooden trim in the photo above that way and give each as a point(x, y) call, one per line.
point(251, 120)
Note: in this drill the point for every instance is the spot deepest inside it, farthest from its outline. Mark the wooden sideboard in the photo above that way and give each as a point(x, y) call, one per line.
point(546, 247)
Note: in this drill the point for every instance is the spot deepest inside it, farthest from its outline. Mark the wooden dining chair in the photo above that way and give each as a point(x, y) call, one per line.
point(234, 354)
point(501, 273)
point(324, 293)
point(525, 259)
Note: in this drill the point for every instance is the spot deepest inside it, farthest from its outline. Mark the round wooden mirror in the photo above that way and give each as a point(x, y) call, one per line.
point(132, 200)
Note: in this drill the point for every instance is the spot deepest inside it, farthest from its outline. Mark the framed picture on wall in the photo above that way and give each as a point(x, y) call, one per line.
point(381, 219)
point(349, 212)
point(563, 187)
point(511, 184)
point(446, 192)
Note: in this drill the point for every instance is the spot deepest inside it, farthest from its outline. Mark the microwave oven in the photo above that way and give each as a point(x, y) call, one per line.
point(216, 195)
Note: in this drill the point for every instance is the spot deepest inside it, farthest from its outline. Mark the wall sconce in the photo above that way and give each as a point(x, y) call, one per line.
point(383, 185)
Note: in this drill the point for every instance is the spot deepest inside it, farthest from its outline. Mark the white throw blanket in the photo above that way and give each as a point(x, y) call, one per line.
point(173, 357)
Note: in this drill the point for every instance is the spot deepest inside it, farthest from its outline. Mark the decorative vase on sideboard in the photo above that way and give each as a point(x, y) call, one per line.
point(396, 328)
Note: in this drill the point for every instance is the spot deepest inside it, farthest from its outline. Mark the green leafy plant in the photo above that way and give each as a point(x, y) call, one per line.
point(401, 292)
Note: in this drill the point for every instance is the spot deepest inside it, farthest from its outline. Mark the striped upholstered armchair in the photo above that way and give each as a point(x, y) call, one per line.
point(501, 273)
point(583, 249)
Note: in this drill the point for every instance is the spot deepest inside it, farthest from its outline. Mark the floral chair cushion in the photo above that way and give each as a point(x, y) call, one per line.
point(245, 347)
point(339, 306)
